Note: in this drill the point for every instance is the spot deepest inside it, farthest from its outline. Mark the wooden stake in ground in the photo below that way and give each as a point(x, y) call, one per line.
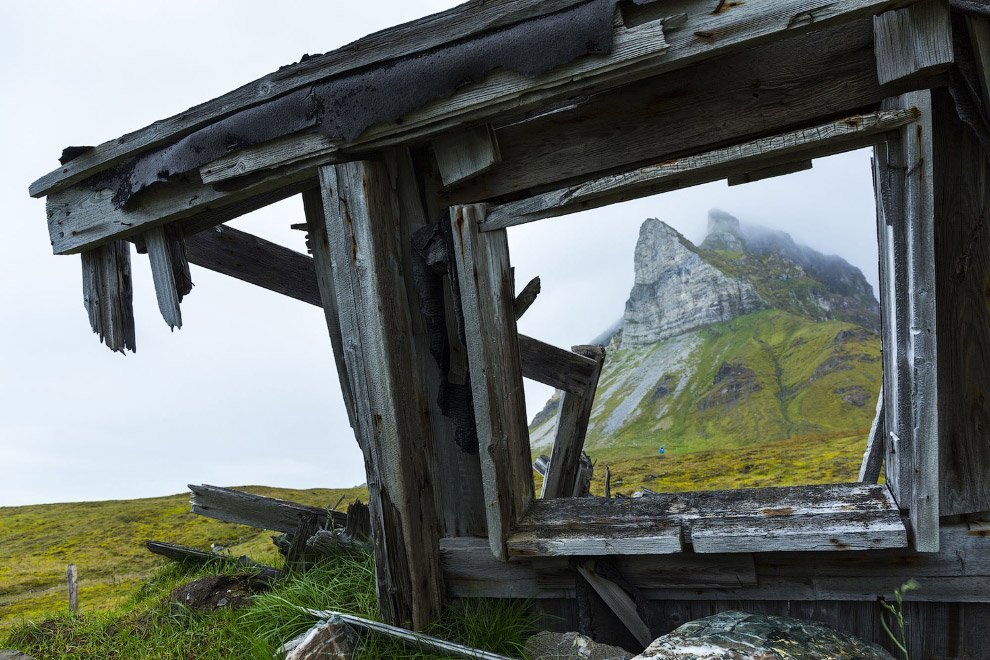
point(70, 574)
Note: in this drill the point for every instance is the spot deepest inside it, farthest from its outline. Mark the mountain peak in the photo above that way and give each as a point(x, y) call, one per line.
point(724, 232)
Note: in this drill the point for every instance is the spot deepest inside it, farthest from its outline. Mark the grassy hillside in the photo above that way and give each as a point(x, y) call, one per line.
point(104, 540)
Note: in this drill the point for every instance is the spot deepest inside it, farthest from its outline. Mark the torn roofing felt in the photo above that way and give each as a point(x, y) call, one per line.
point(342, 107)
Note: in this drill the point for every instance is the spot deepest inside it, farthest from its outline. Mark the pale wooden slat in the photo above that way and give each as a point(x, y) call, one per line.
point(108, 294)
point(164, 277)
point(236, 506)
point(815, 142)
point(913, 42)
point(573, 414)
point(487, 297)
point(466, 153)
point(869, 469)
point(364, 226)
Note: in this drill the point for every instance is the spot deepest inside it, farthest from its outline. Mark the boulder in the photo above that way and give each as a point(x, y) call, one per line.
point(332, 639)
point(743, 636)
point(570, 646)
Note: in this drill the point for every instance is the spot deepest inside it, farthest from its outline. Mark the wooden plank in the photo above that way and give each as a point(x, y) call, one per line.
point(236, 506)
point(618, 601)
point(749, 520)
point(913, 42)
point(246, 257)
point(962, 270)
point(487, 297)
point(164, 277)
point(573, 414)
point(466, 153)
point(108, 294)
point(526, 297)
point(364, 226)
point(869, 470)
point(804, 80)
point(185, 553)
point(556, 367)
point(979, 37)
point(822, 140)
point(768, 172)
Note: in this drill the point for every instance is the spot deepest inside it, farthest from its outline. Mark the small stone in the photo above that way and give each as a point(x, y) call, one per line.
point(742, 636)
point(332, 639)
point(6, 654)
point(221, 602)
point(570, 646)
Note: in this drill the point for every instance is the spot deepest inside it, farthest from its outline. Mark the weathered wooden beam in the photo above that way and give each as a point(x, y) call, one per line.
point(979, 37)
point(573, 414)
point(751, 520)
point(246, 257)
point(164, 276)
point(618, 601)
point(914, 42)
point(869, 470)
point(365, 229)
point(814, 142)
point(108, 294)
point(768, 172)
point(556, 367)
point(185, 553)
point(526, 297)
point(466, 153)
point(236, 506)
point(487, 296)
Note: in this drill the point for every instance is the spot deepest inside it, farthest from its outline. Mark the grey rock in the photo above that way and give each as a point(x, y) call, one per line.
point(6, 654)
point(332, 639)
point(677, 291)
point(742, 636)
point(570, 646)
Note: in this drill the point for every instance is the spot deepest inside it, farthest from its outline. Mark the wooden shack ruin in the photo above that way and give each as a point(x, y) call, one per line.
point(416, 147)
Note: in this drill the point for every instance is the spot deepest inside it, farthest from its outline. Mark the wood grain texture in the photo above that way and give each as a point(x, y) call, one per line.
point(487, 297)
point(556, 367)
point(164, 276)
point(962, 269)
point(108, 294)
point(364, 228)
point(804, 80)
point(465, 153)
point(814, 142)
point(913, 42)
point(251, 259)
point(573, 414)
point(236, 506)
point(869, 469)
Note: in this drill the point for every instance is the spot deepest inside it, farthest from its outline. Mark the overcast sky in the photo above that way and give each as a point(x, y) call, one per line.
point(246, 392)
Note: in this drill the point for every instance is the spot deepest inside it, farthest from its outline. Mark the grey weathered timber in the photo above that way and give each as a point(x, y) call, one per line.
point(166, 289)
point(559, 368)
point(801, 81)
point(540, 465)
point(236, 506)
point(323, 277)
point(962, 271)
point(913, 42)
point(918, 444)
point(364, 228)
point(465, 153)
point(185, 553)
point(832, 517)
point(526, 297)
point(73, 580)
point(869, 469)
point(246, 257)
point(108, 294)
point(768, 171)
point(618, 601)
point(822, 140)
point(487, 297)
point(979, 37)
point(573, 414)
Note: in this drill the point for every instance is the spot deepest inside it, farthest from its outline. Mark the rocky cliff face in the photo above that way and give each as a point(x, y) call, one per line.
point(677, 291)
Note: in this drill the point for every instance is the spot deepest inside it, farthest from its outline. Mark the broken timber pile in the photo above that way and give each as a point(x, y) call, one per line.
point(408, 192)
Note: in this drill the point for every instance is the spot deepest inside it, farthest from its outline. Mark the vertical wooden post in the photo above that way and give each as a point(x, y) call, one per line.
point(364, 230)
point(108, 293)
point(71, 576)
point(487, 299)
point(570, 430)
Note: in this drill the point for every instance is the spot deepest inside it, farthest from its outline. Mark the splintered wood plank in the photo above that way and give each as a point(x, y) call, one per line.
point(913, 42)
point(487, 297)
point(466, 153)
point(164, 276)
point(748, 520)
point(962, 273)
point(573, 414)
point(365, 229)
point(556, 367)
point(869, 469)
point(618, 601)
point(251, 259)
point(236, 506)
point(814, 142)
point(108, 294)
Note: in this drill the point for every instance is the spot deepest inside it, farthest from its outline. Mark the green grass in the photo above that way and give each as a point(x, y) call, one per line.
point(147, 625)
point(104, 540)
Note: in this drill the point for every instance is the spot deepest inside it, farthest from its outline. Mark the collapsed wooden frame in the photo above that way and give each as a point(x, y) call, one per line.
point(511, 150)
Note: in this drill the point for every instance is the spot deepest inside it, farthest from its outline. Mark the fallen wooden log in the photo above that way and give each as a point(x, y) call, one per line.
point(185, 553)
point(256, 510)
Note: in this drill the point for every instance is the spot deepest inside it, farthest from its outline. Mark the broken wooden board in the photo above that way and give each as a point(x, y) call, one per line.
point(556, 367)
point(186, 553)
point(236, 506)
point(108, 294)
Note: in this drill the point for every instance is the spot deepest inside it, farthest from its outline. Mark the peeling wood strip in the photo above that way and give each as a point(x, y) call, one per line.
point(869, 470)
point(165, 279)
point(834, 137)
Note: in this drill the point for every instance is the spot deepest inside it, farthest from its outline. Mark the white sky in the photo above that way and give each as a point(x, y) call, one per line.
point(246, 392)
